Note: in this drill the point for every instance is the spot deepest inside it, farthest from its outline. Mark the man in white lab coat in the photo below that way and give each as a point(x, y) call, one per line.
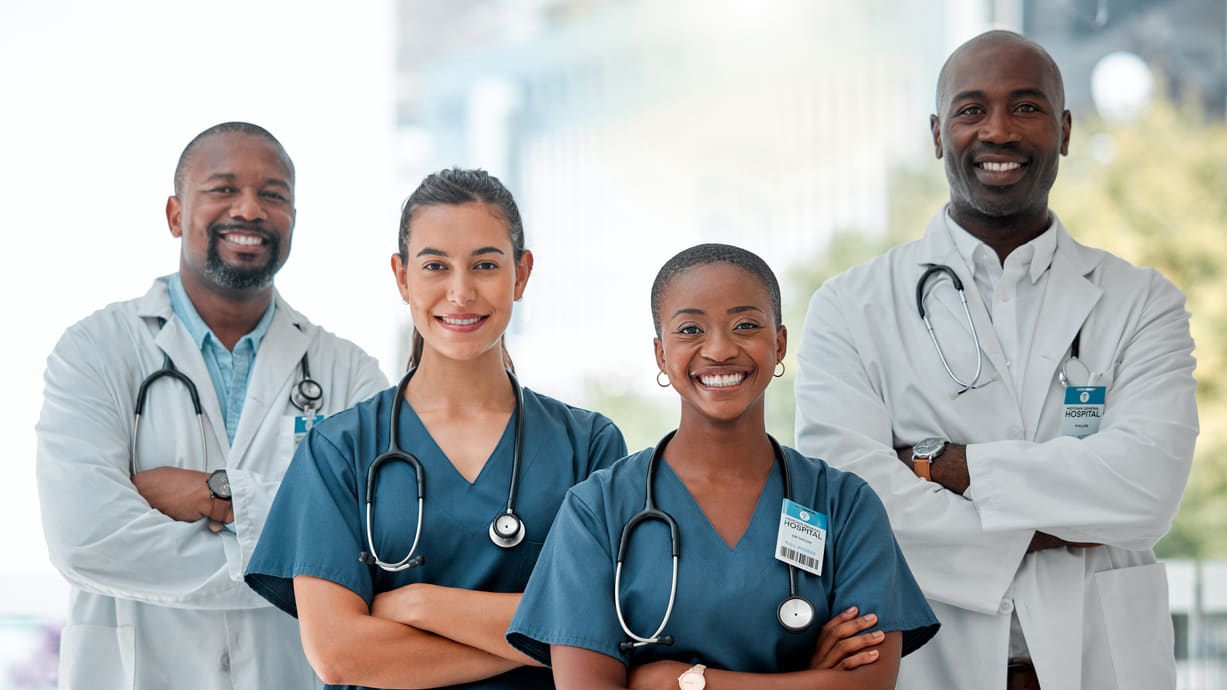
point(1029, 465)
point(152, 509)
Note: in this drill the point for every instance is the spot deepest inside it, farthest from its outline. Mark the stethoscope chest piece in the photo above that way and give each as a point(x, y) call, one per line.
point(796, 613)
point(507, 530)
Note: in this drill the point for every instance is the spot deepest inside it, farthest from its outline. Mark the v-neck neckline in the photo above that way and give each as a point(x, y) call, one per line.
point(419, 428)
point(761, 510)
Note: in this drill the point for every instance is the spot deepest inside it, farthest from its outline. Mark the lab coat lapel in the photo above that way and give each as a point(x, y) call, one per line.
point(1068, 301)
point(275, 372)
point(175, 341)
point(938, 248)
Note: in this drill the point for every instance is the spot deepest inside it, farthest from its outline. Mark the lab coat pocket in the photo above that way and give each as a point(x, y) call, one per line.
point(97, 656)
point(1136, 626)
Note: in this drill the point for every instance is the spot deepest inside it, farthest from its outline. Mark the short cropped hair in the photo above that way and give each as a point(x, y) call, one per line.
point(226, 128)
point(704, 254)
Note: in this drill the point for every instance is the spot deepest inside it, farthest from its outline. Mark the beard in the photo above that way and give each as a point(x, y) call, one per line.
point(242, 277)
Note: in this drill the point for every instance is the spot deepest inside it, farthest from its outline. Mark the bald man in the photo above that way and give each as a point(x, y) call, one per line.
point(1032, 443)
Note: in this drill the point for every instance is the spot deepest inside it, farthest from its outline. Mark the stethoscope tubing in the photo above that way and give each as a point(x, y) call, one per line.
point(931, 270)
point(508, 538)
point(651, 512)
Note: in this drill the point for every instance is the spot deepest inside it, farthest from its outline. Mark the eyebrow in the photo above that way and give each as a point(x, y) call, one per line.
point(231, 177)
point(1017, 93)
point(430, 251)
point(731, 310)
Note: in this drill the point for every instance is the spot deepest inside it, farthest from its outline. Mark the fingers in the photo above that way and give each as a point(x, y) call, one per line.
point(840, 638)
point(860, 659)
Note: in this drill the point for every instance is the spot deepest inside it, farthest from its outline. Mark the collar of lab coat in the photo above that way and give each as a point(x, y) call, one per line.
point(276, 366)
point(1068, 300)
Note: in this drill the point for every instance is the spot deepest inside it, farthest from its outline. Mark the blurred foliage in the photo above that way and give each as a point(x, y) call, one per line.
point(1152, 191)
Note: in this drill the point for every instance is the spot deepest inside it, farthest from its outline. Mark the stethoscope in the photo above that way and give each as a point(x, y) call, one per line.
point(506, 530)
point(795, 613)
point(933, 269)
point(307, 395)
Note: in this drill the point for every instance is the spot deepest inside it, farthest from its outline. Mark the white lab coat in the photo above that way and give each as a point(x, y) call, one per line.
point(156, 603)
point(870, 380)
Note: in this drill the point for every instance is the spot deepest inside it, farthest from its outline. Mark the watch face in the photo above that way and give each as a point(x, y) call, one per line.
point(928, 448)
point(692, 680)
point(219, 484)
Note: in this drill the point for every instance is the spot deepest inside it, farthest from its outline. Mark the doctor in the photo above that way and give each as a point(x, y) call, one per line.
point(154, 532)
point(1027, 509)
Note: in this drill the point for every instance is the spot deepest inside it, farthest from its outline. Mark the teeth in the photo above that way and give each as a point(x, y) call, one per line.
point(722, 380)
point(460, 322)
point(244, 240)
point(999, 167)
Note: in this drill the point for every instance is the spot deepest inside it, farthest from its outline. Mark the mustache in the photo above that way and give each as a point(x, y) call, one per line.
point(217, 229)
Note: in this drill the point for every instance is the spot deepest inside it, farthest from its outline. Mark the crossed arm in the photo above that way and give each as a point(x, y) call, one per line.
point(951, 473)
point(416, 636)
point(844, 658)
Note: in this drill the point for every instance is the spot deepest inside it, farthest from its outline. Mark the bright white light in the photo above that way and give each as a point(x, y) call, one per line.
point(1121, 85)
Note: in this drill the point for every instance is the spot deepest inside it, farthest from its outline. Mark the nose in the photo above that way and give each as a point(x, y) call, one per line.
point(460, 289)
point(719, 346)
point(248, 206)
point(998, 127)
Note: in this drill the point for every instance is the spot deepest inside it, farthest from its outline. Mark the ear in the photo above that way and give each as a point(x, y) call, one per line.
point(1067, 124)
point(660, 353)
point(174, 216)
point(524, 268)
point(781, 343)
point(935, 126)
point(398, 272)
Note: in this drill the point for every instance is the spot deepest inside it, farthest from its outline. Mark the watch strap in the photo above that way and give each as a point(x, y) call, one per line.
point(922, 467)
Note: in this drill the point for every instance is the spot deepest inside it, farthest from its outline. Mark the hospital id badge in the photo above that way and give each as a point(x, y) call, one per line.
point(1083, 410)
point(301, 424)
point(802, 537)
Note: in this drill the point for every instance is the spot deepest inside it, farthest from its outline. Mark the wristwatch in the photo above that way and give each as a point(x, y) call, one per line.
point(924, 453)
point(219, 485)
point(693, 678)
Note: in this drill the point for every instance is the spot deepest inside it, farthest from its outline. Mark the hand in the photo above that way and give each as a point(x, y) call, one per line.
point(841, 645)
point(177, 493)
point(949, 469)
point(658, 675)
point(1043, 540)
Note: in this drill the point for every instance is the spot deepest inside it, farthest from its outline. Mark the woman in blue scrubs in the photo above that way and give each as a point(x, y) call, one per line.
point(720, 476)
point(437, 619)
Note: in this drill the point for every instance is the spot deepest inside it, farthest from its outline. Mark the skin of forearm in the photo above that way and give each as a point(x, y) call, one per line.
point(347, 645)
point(476, 619)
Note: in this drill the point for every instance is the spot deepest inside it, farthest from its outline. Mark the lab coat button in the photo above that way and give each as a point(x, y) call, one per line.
point(1014, 433)
point(226, 662)
point(1006, 607)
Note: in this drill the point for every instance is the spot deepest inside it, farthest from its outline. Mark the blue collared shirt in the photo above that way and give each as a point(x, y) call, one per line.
point(230, 371)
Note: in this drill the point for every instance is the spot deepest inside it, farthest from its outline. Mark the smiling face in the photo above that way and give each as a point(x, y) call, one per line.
point(1001, 128)
point(460, 278)
point(719, 341)
point(234, 213)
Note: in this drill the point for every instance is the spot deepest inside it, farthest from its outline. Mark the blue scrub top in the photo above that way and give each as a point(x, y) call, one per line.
point(316, 525)
point(727, 597)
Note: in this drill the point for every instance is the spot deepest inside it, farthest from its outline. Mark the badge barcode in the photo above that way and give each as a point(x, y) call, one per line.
point(794, 556)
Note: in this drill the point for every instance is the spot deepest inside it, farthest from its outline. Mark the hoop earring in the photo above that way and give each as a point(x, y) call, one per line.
point(666, 383)
point(780, 369)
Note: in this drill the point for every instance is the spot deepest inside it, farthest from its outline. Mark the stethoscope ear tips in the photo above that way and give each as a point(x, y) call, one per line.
point(507, 531)
point(795, 613)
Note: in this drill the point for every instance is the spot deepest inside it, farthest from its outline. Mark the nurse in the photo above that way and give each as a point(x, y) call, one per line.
point(722, 478)
point(440, 620)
